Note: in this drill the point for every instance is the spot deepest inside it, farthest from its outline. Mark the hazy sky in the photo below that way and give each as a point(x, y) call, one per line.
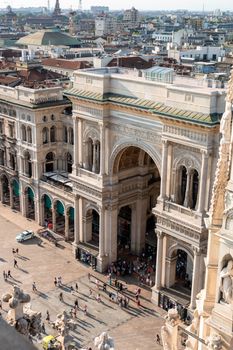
point(120, 4)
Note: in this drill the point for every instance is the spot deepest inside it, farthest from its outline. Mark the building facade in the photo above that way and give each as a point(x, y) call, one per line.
point(131, 167)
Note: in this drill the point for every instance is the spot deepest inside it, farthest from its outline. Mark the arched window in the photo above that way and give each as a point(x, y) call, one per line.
point(45, 135)
point(53, 134)
point(23, 131)
point(71, 136)
point(49, 165)
point(69, 162)
point(27, 164)
point(2, 157)
point(65, 134)
point(12, 161)
point(182, 183)
point(29, 134)
point(194, 188)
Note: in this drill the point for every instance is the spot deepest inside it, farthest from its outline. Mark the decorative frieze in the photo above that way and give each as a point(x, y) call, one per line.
point(136, 133)
point(189, 134)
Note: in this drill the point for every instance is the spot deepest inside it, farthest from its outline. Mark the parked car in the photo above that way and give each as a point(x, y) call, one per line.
point(24, 236)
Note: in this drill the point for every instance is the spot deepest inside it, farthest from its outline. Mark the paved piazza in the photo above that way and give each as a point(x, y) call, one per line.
point(131, 329)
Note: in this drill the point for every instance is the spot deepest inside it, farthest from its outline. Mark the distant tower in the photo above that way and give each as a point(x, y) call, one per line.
point(80, 5)
point(72, 26)
point(57, 9)
point(48, 7)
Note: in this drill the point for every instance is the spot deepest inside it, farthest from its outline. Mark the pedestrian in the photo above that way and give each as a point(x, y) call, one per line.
point(59, 281)
point(13, 251)
point(9, 273)
point(97, 284)
point(4, 275)
point(15, 263)
point(61, 296)
point(157, 339)
point(34, 289)
point(76, 287)
point(55, 281)
point(104, 287)
point(47, 316)
point(76, 304)
point(138, 303)
point(17, 251)
point(85, 310)
point(89, 276)
point(43, 328)
point(74, 312)
point(71, 290)
point(0, 304)
point(90, 292)
point(98, 298)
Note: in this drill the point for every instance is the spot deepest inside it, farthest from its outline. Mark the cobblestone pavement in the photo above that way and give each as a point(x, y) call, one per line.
point(132, 329)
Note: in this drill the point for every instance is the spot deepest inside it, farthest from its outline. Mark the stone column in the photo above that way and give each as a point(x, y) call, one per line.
point(97, 157)
point(102, 149)
point(133, 228)
point(159, 261)
point(195, 277)
point(101, 232)
point(164, 169)
point(203, 181)
point(54, 218)
point(94, 157)
point(67, 225)
point(187, 191)
point(86, 155)
point(11, 196)
point(111, 213)
point(75, 125)
point(141, 211)
point(1, 191)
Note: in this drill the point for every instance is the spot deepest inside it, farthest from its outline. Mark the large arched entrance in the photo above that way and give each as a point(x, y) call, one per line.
point(138, 180)
point(5, 190)
point(181, 271)
point(92, 227)
point(59, 226)
point(30, 203)
point(47, 208)
point(70, 226)
point(16, 195)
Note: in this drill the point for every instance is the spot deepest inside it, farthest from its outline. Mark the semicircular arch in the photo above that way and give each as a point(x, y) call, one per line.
point(121, 146)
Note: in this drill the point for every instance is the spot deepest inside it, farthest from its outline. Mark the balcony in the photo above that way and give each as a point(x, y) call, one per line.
point(181, 222)
point(54, 180)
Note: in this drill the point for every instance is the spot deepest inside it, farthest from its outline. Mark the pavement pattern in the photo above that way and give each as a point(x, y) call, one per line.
point(133, 328)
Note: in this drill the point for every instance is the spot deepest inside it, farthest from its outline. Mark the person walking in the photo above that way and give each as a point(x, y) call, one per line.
point(34, 289)
point(55, 281)
point(9, 273)
point(43, 328)
point(17, 251)
point(76, 287)
point(59, 281)
point(85, 310)
point(15, 263)
point(13, 251)
point(4, 275)
point(90, 293)
point(61, 296)
point(47, 316)
point(157, 339)
point(76, 303)
point(89, 276)
point(98, 298)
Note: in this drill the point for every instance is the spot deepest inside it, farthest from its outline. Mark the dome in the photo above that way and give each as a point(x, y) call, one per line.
point(48, 38)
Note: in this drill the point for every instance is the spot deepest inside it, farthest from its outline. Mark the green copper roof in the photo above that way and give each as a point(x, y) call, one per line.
point(48, 37)
point(154, 107)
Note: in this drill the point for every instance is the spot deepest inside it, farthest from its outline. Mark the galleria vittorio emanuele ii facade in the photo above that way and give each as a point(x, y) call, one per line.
point(123, 164)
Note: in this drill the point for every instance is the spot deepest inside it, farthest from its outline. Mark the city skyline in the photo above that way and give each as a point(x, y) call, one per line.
point(168, 5)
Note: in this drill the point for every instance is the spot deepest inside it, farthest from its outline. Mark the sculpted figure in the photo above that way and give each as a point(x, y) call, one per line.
point(227, 282)
point(225, 124)
point(104, 342)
